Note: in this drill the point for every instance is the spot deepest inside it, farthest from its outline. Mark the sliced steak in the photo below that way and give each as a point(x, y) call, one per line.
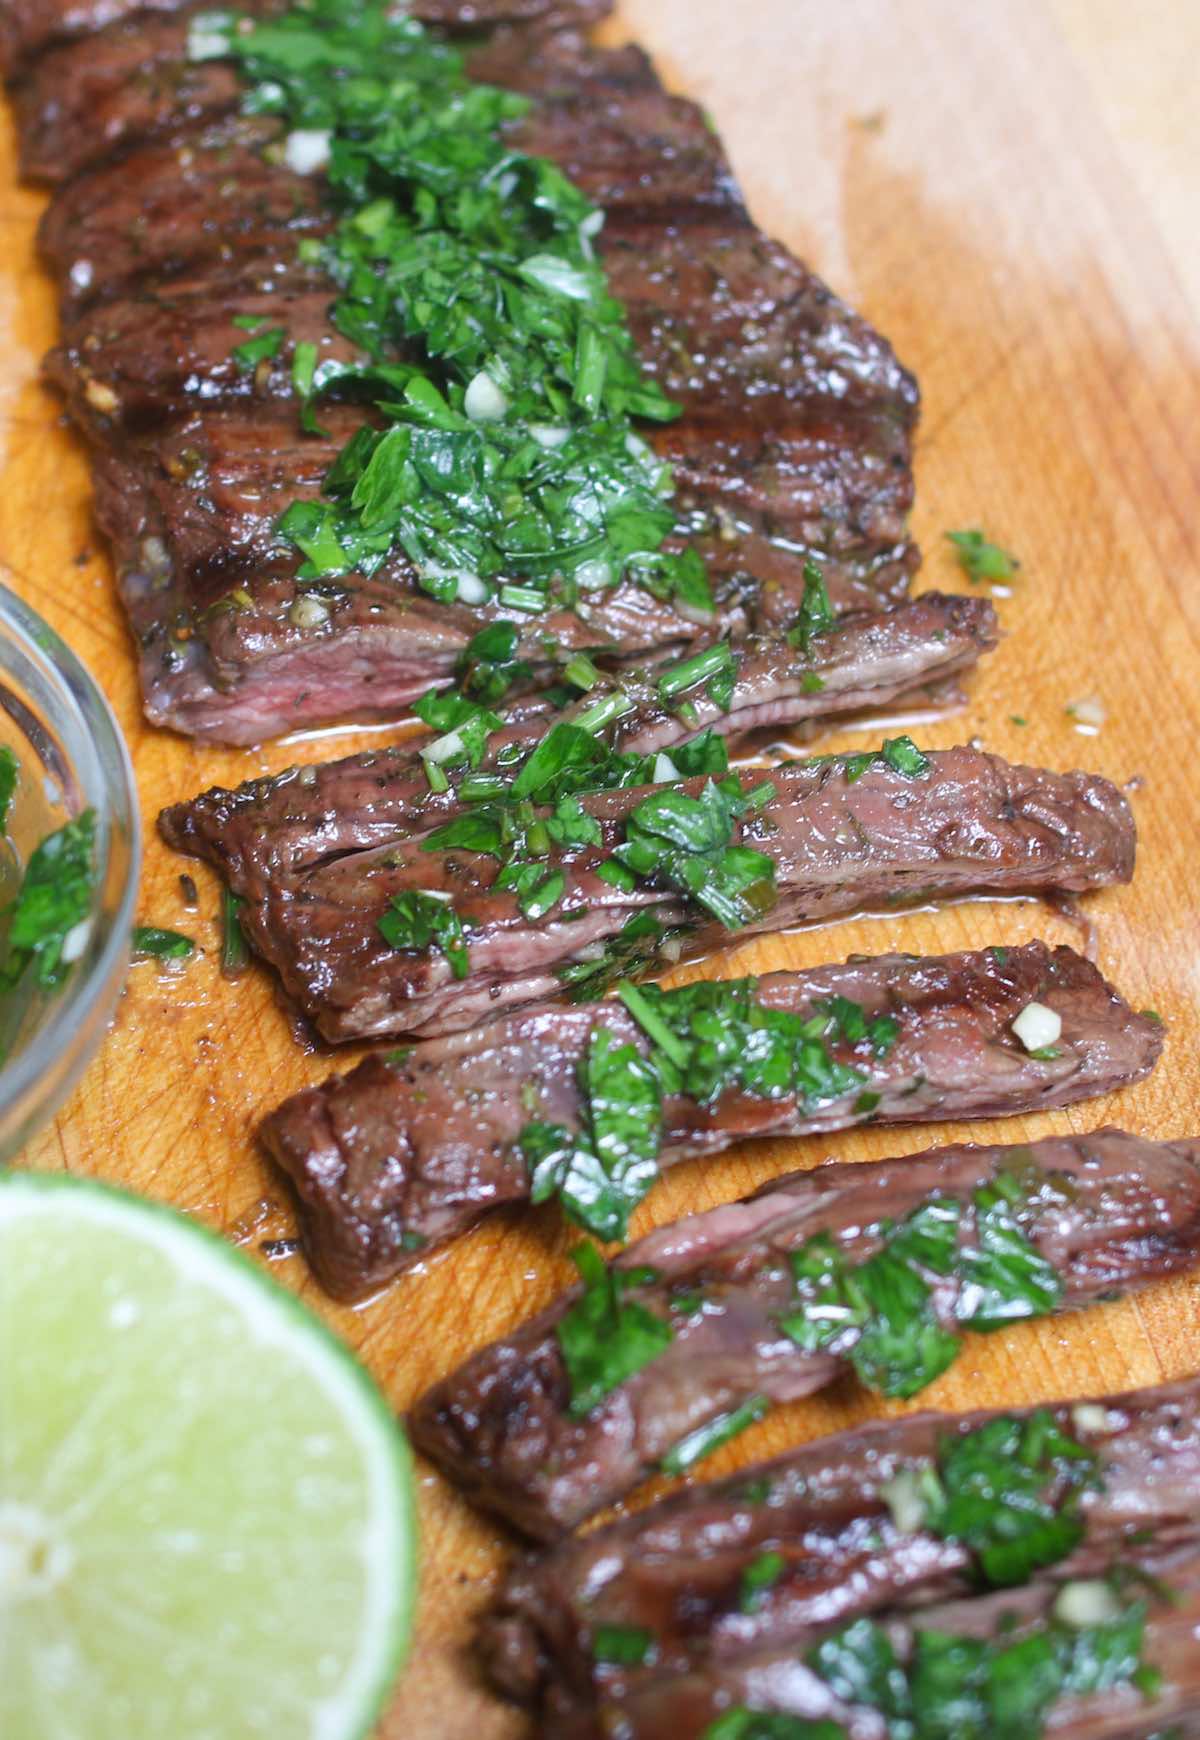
point(214, 202)
point(798, 424)
point(27, 27)
point(407, 1151)
point(677, 1570)
point(780, 1684)
point(1121, 1213)
point(900, 657)
point(839, 838)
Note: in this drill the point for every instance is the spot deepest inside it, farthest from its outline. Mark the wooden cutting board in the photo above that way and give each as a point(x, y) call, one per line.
point(1008, 190)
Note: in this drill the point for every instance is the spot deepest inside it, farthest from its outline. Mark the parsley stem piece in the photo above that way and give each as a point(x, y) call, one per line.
point(235, 955)
point(698, 669)
point(705, 1439)
point(581, 673)
point(603, 712)
point(639, 1007)
point(816, 612)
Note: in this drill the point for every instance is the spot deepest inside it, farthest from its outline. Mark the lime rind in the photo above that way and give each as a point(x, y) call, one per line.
point(274, 1319)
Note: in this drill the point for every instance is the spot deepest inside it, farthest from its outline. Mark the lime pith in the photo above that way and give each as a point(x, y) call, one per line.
point(205, 1505)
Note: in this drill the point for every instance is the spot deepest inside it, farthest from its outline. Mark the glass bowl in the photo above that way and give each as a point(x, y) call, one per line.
point(72, 758)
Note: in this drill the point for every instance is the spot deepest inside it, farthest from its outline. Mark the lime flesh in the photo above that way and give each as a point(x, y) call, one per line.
point(206, 1525)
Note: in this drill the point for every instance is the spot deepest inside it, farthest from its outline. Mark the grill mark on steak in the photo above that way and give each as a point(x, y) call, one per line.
point(970, 824)
point(676, 1569)
point(398, 1156)
point(798, 419)
point(499, 1425)
point(293, 820)
point(778, 1681)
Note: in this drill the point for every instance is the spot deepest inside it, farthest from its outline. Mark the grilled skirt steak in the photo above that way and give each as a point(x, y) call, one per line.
point(174, 214)
point(909, 655)
point(401, 1154)
point(677, 1570)
point(1121, 1213)
point(27, 27)
point(780, 1684)
point(839, 839)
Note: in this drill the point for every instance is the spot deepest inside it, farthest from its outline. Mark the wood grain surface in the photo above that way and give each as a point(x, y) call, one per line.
point(1008, 190)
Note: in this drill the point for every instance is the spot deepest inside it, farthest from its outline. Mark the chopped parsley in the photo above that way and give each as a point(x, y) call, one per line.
point(760, 1575)
point(1010, 1491)
point(636, 948)
point(816, 612)
point(234, 953)
point(604, 1337)
point(902, 754)
point(150, 943)
point(685, 842)
point(622, 1645)
point(261, 348)
point(501, 368)
point(10, 773)
point(880, 1315)
point(488, 667)
point(52, 905)
point(955, 1687)
point(602, 1170)
point(419, 920)
point(705, 1040)
point(981, 560)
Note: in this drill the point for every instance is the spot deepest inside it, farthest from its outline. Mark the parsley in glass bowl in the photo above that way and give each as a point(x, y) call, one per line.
point(69, 861)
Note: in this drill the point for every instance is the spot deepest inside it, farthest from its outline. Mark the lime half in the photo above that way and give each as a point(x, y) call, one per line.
point(206, 1522)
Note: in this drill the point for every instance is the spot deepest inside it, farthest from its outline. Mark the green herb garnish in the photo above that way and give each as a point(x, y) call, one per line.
point(161, 945)
point(262, 348)
point(685, 842)
point(507, 444)
point(902, 754)
point(879, 1313)
point(990, 1492)
point(706, 1039)
point(54, 901)
point(234, 953)
point(981, 560)
point(816, 612)
point(605, 1337)
point(622, 1645)
point(705, 1439)
point(10, 773)
point(978, 1688)
point(419, 920)
point(760, 1575)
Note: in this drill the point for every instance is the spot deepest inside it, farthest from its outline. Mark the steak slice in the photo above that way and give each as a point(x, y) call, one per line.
point(1109, 1212)
point(779, 1685)
point(676, 1571)
point(28, 27)
point(210, 201)
point(840, 839)
point(796, 437)
point(407, 1151)
point(308, 815)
